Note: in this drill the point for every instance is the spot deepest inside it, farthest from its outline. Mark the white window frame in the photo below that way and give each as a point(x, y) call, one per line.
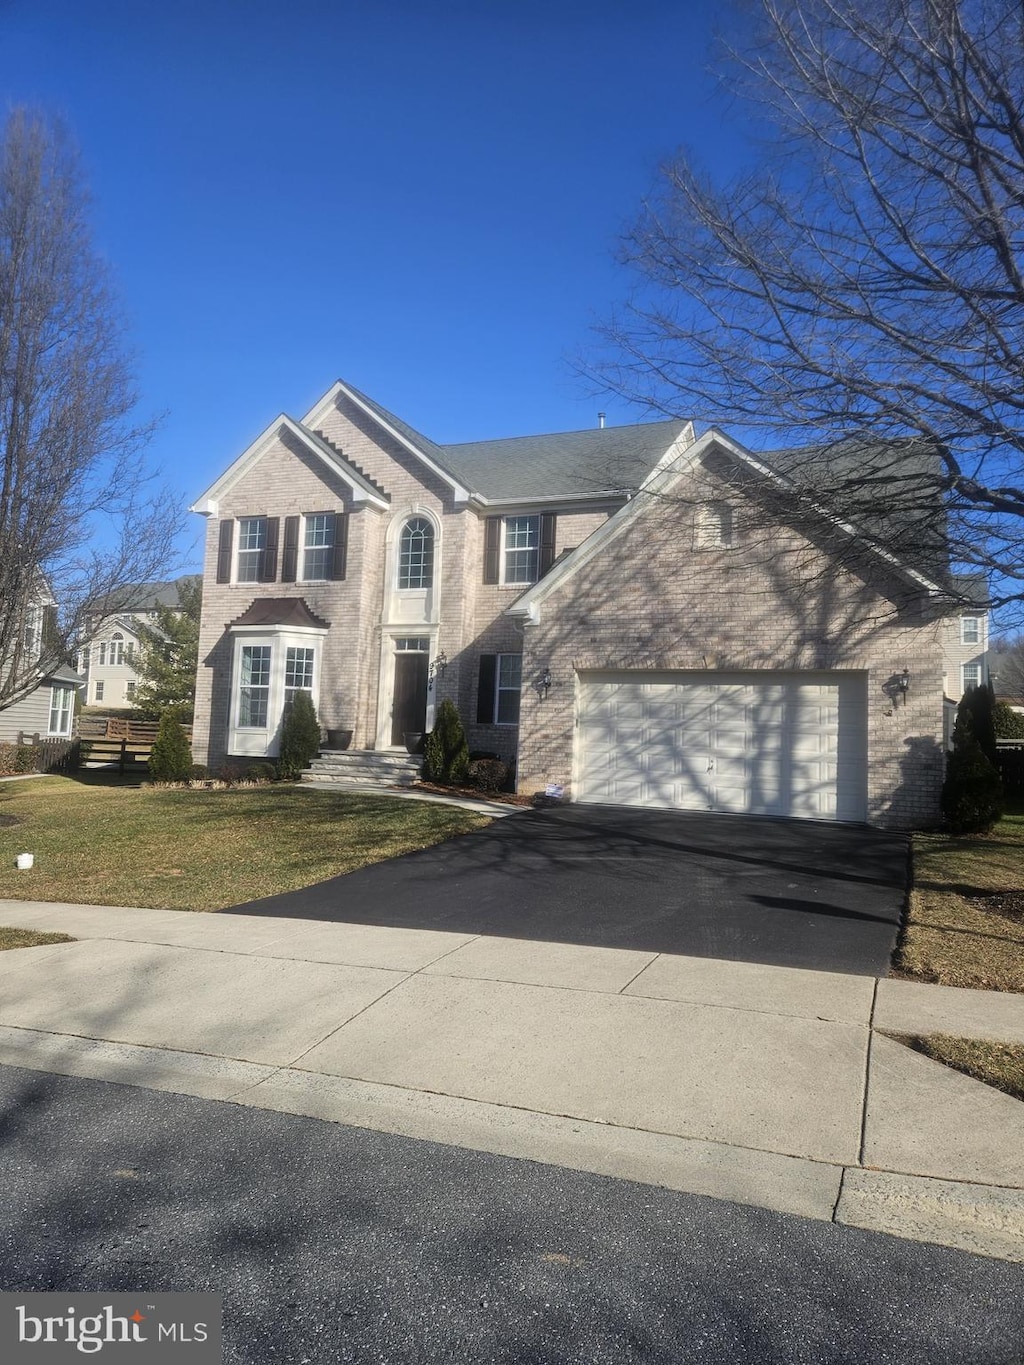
point(62, 705)
point(426, 558)
point(966, 638)
point(965, 682)
point(306, 525)
point(116, 650)
point(250, 741)
point(507, 551)
point(516, 689)
point(102, 660)
point(129, 688)
point(98, 685)
point(254, 554)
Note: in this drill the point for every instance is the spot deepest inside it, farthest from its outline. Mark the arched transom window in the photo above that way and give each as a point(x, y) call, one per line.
point(416, 554)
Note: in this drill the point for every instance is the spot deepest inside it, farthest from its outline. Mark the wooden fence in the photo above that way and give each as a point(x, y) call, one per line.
point(115, 741)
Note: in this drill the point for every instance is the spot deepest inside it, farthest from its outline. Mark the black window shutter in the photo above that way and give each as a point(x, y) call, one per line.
point(290, 558)
point(492, 549)
point(340, 561)
point(224, 551)
point(268, 564)
point(485, 693)
point(547, 542)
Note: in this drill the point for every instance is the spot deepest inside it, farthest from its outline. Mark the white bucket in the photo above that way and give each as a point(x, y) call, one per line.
point(24, 861)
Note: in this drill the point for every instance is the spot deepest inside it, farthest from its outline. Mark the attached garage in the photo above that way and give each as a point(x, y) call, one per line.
point(755, 743)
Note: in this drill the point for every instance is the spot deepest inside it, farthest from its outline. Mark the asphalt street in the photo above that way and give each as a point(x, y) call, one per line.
point(790, 893)
point(334, 1244)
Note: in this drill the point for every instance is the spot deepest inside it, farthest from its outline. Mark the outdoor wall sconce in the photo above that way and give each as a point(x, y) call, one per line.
point(903, 682)
point(543, 684)
point(437, 668)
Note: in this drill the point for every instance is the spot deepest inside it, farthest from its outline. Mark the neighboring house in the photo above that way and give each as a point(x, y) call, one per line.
point(48, 709)
point(612, 608)
point(965, 639)
point(111, 630)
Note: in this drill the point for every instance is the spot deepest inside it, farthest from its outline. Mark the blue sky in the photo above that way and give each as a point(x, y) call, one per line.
point(421, 198)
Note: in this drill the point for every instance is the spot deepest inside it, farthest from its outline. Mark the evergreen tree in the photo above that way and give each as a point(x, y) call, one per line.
point(169, 655)
point(980, 700)
point(300, 736)
point(972, 794)
point(170, 759)
point(446, 753)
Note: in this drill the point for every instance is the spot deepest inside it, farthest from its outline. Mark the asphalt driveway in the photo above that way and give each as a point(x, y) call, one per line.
point(786, 892)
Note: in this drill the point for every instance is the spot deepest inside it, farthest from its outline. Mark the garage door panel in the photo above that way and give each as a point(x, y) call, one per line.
point(771, 744)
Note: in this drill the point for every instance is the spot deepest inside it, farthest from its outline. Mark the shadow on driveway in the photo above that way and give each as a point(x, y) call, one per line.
point(785, 892)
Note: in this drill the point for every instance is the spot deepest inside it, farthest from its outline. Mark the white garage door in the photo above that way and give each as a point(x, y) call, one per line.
point(792, 744)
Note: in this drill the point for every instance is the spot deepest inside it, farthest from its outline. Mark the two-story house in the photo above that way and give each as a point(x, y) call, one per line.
point(633, 614)
point(111, 630)
point(45, 704)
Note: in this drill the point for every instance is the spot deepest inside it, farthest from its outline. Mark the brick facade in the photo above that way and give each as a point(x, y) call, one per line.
point(650, 599)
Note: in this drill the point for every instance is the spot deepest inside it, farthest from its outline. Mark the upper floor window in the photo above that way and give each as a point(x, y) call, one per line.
point(318, 550)
point(252, 541)
point(970, 630)
point(102, 652)
point(117, 649)
point(519, 549)
point(522, 549)
point(713, 528)
point(416, 554)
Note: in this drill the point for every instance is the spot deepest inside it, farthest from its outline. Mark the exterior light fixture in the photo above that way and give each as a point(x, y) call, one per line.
point(904, 684)
point(543, 684)
point(437, 667)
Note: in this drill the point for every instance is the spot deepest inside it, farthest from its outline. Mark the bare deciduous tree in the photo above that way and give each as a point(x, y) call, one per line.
point(79, 517)
point(862, 292)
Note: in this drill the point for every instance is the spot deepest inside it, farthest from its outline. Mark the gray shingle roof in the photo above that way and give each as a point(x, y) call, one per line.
point(561, 463)
point(597, 460)
point(142, 596)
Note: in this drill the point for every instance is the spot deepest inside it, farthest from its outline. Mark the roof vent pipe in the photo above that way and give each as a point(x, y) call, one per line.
point(600, 420)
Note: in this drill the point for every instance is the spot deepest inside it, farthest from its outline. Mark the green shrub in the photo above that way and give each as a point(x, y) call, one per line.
point(1009, 724)
point(446, 753)
point(170, 759)
point(972, 794)
point(300, 736)
point(198, 772)
point(489, 774)
point(17, 758)
point(261, 772)
point(979, 700)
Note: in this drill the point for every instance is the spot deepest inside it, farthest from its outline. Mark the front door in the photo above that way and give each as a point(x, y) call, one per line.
point(409, 706)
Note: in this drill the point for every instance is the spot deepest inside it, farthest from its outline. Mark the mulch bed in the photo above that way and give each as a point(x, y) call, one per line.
point(1008, 904)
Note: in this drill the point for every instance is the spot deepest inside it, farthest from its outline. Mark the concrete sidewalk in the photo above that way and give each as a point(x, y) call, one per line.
point(764, 1085)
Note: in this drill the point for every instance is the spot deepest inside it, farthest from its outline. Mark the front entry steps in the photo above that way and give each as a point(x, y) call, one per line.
point(363, 768)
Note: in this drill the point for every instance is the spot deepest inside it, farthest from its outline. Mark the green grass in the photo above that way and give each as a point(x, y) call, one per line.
point(28, 938)
point(997, 1064)
point(200, 850)
point(957, 933)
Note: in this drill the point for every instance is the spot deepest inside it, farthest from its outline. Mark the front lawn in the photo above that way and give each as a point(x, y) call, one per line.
point(200, 850)
point(965, 924)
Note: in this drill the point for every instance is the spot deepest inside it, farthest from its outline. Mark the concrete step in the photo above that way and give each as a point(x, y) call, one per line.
point(368, 767)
